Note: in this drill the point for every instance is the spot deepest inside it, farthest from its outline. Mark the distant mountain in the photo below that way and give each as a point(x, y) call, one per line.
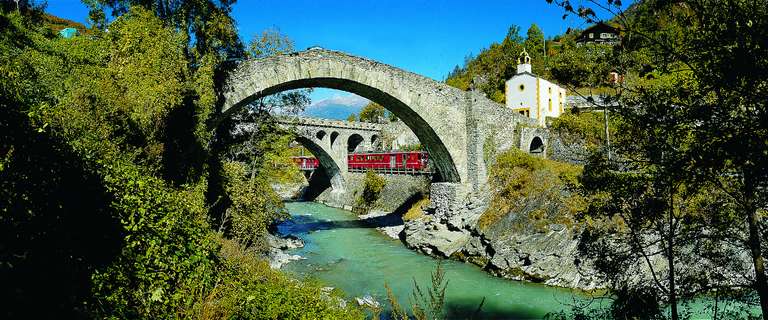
point(337, 107)
point(331, 111)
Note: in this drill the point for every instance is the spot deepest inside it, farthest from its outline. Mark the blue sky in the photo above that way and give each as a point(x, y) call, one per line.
point(425, 37)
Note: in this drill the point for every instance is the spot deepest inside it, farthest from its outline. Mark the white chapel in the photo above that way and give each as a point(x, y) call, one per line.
point(533, 96)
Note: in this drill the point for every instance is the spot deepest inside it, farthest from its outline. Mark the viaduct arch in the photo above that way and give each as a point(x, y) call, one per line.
point(330, 141)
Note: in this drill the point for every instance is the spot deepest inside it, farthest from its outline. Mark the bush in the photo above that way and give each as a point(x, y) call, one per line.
point(373, 185)
point(254, 206)
point(586, 127)
point(82, 140)
point(531, 190)
point(249, 289)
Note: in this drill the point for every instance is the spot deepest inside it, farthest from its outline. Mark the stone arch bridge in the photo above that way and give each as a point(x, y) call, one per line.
point(461, 130)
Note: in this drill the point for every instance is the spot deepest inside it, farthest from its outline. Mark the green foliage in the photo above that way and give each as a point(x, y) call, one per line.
point(206, 25)
point(167, 260)
point(578, 67)
point(269, 43)
point(585, 127)
point(250, 289)
point(254, 207)
point(373, 112)
point(96, 219)
point(585, 66)
point(425, 304)
point(534, 45)
point(691, 120)
point(352, 118)
point(429, 304)
point(373, 184)
point(523, 184)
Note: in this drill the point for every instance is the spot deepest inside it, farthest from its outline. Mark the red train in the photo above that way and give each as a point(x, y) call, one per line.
point(406, 161)
point(393, 161)
point(306, 163)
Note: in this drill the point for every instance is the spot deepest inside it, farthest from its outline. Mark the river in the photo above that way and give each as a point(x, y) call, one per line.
point(344, 253)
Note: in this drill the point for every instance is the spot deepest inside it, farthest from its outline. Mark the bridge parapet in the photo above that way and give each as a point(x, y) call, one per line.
point(330, 123)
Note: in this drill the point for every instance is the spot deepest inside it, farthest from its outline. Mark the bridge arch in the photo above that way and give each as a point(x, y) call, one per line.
point(435, 112)
point(353, 142)
point(374, 141)
point(334, 136)
point(328, 165)
point(536, 145)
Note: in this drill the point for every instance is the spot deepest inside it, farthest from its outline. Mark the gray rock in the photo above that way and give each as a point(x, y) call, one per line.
point(284, 243)
point(278, 258)
point(369, 301)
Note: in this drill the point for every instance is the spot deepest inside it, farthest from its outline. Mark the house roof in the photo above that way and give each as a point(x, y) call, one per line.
point(600, 27)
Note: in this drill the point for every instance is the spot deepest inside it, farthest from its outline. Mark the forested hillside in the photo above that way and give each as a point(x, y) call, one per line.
point(578, 68)
point(118, 199)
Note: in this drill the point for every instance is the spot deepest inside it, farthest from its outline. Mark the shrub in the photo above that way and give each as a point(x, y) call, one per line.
point(249, 289)
point(254, 206)
point(373, 185)
point(531, 190)
point(586, 127)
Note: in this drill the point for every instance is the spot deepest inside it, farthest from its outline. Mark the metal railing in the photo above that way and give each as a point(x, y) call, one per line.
point(402, 171)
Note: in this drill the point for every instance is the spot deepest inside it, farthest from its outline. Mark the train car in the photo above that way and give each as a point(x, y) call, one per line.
point(395, 161)
point(306, 163)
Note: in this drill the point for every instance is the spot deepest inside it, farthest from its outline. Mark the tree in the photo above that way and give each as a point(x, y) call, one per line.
point(270, 42)
point(207, 23)
point(373, 112)
point(352, 118)
point(534, 45)
point(255, 152)
point(695, 65)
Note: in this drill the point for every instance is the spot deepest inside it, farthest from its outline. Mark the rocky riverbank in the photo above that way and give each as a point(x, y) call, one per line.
point(276, 255)
point(547, 256)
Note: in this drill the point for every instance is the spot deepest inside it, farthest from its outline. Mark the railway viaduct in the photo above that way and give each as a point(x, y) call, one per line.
point(461, 130)
point(331, 140)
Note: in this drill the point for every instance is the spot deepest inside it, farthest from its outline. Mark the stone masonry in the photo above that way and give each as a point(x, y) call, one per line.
point(453, 125)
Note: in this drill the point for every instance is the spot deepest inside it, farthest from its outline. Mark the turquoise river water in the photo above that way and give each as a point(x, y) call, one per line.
point(345, 253)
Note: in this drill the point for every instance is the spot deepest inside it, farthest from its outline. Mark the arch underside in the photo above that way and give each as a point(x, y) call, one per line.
point(441, 158)
point(327, 164)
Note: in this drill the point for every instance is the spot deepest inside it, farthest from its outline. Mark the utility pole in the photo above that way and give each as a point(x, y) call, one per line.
point(607, 136)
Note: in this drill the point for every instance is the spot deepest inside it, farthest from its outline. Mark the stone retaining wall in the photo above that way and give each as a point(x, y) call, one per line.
point(398, 191)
